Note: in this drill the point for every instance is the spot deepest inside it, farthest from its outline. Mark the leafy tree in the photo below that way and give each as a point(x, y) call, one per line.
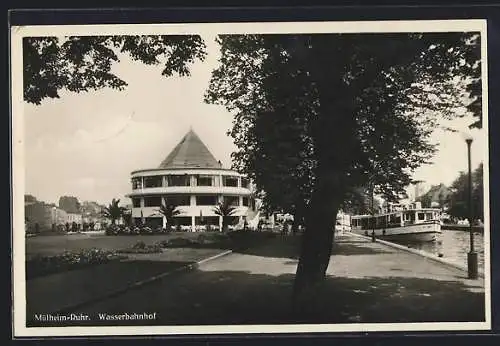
point(83, 63)
point(437, 193)
point(113, 211)
point(169, 211)
point(459, 199)
point(317, 116)
point(69, 204)
point(359, 201)
point(224, 210)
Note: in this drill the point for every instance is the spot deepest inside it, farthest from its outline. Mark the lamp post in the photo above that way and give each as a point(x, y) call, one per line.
point(472, 263)
point(373, 213)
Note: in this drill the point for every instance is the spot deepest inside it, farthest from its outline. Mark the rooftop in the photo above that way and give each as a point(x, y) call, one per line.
point(190, 152)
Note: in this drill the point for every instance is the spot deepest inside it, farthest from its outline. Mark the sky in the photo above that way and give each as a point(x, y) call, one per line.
point(87, 144)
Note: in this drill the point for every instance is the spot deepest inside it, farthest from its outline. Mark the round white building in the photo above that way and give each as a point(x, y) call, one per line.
point(193, 180)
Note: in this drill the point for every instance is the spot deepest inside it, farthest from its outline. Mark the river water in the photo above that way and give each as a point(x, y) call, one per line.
point(454, 246)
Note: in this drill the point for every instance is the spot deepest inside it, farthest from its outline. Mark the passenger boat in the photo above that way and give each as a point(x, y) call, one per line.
point(403, 223)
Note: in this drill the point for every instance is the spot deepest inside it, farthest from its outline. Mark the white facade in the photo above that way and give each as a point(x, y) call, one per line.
point(193, 181)
point(73, 217)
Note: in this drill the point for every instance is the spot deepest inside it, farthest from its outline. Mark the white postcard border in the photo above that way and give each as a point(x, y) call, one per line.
point(18, 157)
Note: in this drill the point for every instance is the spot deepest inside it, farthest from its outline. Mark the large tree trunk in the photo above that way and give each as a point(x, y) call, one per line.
point(317, 245)
point(334, 137)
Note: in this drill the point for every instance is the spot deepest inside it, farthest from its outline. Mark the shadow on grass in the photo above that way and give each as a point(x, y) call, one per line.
point(58, 292)
point(279, 247)
point(239, 297)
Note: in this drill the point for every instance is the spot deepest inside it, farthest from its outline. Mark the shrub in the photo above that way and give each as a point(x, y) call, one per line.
point(145, 230)
point(179, 242)
point(163, 243)
point(112, 230)
point(142, 248)
point(139, 245)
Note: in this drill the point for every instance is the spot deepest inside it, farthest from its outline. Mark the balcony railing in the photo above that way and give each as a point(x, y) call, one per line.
point(226, 190)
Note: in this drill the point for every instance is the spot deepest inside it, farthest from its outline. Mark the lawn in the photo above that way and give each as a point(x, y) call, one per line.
point(57, 244)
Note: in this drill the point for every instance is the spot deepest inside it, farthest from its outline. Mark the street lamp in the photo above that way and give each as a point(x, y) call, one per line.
point(472, 264)
point(372, 212)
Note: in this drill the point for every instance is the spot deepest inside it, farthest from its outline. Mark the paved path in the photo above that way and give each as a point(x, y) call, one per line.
point(367, 282)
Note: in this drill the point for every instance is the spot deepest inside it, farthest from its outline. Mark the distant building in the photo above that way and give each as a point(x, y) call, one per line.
point(38, 216)
point(42, 217)
point(74, 217)
point(91, 212)
point(58, 216)
point(193, 180)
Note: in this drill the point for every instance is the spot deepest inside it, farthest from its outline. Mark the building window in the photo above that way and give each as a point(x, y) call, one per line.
point(206, 220)
point(206, 200)
point(421, 216)
point(154, 181)
point(244, 183)
point(154, 201)
point(136, 202)
point(245, 201)
point(232, 200)
point(178, 180)
point(179, 200)
point(230, 181)
point(205, 180)
point(182, 220)
point(136, 183)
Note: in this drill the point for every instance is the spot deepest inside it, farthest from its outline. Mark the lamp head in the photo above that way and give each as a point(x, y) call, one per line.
point(467, 136)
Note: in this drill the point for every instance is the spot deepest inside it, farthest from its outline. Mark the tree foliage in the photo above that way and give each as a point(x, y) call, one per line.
point(224, 210)
point(70, 204)
point(359, 202)
point(437, 194)
point(169, 211)
point(458, 201)
point(113, 211)
point(318, 116)
point(391, 88)
point(83, 63)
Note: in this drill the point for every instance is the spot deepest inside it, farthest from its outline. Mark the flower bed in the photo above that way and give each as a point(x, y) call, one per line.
point(202, 240)
point(141, 247)
point(135, 230)
point(41, 265)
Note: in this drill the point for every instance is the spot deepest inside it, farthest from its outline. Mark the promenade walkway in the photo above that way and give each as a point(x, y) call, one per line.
point(366, 282)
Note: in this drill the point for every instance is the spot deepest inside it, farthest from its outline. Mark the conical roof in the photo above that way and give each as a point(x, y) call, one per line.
point(190, 152)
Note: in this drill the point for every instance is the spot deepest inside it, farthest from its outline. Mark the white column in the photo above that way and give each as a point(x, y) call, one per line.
point(193, 228)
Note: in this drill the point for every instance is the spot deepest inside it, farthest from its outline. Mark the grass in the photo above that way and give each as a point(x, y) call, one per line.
point(56, 244)
point(54, 254)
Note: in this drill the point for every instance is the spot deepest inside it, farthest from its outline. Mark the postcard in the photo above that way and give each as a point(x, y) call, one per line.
point(228, 178)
